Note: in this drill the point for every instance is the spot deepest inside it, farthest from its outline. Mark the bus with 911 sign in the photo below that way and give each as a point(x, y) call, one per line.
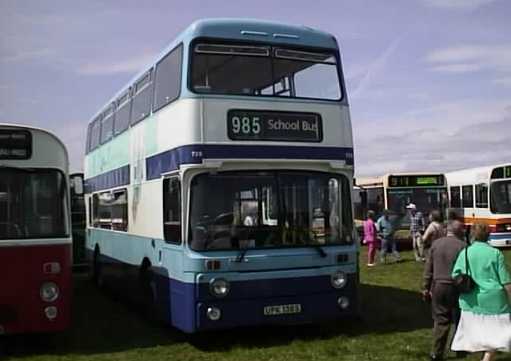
point(35, 232)
point(428, 191)
point(218, 181)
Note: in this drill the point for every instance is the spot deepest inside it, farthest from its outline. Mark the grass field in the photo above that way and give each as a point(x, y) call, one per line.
point(395, 326)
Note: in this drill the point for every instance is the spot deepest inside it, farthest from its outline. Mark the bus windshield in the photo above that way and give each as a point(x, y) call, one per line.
point(264, 71)
point(501, 196)
point(240, 210)
point(426, 200)
point(32, 203)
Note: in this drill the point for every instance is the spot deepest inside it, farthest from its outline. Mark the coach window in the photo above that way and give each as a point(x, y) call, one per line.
point(172, 210)
point(482, 195)
point(167, 82)
point(455, 197)
point(119, 212)
point(107, 124)
point(141, 104)
point(122, 114)
point(95, 133)
point(468, 196)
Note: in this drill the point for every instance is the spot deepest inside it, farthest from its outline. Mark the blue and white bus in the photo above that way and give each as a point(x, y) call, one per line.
point(219, 180)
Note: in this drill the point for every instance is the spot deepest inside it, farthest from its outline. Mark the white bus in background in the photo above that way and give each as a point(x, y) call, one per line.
point(484, 195)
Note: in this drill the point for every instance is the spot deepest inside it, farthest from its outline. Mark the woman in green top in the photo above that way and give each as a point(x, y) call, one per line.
point(485, 323)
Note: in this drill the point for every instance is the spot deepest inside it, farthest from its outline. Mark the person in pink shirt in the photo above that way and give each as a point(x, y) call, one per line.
point(370, 238)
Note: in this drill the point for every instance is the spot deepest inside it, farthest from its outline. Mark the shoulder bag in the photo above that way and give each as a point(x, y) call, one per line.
point(463, 282)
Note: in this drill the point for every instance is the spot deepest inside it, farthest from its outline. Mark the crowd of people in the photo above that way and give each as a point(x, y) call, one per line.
point(465, 279)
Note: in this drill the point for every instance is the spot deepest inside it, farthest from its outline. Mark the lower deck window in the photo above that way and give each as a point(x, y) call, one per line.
point(110, 210)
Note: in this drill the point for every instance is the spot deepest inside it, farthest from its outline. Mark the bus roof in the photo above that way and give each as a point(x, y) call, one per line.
point(236, 29)
point(38, 158)
point(472, 175)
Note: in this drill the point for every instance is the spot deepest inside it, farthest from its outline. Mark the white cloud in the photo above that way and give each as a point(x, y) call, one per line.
point(440, 138)
point(457, 68)
point(27, 55)
point(457, 4)
point(506, 81)
point(470, 58)
point(131, 65)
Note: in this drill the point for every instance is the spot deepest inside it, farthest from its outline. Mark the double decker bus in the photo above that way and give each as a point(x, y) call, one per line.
point(428, 191)
point(218, 181)
point(35, 226)
point(484, 195)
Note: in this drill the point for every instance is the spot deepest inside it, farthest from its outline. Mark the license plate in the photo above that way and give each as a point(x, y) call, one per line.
point(282, 309)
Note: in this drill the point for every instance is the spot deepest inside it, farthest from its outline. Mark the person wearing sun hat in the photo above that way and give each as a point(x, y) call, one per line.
point(416, 231)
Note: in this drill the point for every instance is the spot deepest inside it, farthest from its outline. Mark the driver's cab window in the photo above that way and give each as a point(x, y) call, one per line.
point(172, 210)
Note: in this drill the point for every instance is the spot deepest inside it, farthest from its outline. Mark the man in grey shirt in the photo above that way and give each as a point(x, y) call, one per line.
point(438, 285)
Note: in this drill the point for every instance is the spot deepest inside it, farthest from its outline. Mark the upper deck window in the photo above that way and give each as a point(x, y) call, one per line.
point(168, 79)
point(95, 133)
point(107, 124)
point(122, 115)
point(264, 71)
point(141, 105)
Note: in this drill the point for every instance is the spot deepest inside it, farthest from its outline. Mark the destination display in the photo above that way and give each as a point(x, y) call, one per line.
point(501, 172)
point(416, 181)
point(15, 144)
point(274, 126)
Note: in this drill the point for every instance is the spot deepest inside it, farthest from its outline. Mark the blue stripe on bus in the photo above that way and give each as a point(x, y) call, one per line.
point(114, 178)
point(194, 154)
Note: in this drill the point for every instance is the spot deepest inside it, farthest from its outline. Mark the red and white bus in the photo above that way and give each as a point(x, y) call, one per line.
point(35, 232)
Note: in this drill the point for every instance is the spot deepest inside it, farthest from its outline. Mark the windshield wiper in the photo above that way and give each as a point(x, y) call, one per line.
point(241, 256)
point(320, 250)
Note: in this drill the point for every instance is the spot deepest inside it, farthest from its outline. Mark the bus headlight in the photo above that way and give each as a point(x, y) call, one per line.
point(339, 279)
point(214, 313)
point(51, 312)
point(49, 292)
point(343, 302)
point(219, 287)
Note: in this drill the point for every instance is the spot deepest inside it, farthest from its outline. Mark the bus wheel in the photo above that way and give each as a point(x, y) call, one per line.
point(97, 274)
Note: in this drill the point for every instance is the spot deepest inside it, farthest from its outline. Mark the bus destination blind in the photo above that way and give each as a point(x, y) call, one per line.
point(501, 172)
point(15, 144)
point(416, 181)
point(274, 126)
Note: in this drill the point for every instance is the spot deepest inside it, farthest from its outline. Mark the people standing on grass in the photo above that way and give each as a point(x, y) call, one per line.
point(386, 230)
point(485, 323)
point(439, 288)
point(416, 231)
point(370, 238)
point(434, 231)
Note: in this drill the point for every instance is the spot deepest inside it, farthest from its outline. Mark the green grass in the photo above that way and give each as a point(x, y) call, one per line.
point(395, 326)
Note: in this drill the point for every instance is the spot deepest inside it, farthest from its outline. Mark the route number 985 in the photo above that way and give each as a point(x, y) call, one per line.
point(245, 125)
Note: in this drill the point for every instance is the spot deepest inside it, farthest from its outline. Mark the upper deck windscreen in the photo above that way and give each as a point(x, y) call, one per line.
point(264, 71)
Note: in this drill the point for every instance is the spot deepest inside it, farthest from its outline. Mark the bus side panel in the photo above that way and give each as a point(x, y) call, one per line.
point(21, 307)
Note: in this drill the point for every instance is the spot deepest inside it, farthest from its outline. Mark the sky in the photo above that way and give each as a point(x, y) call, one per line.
point(428, 81)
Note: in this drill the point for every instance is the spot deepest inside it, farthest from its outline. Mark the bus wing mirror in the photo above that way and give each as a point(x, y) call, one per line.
point(77, 184)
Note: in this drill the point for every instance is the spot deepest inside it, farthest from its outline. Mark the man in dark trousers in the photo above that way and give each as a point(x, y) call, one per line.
point(438, 286)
